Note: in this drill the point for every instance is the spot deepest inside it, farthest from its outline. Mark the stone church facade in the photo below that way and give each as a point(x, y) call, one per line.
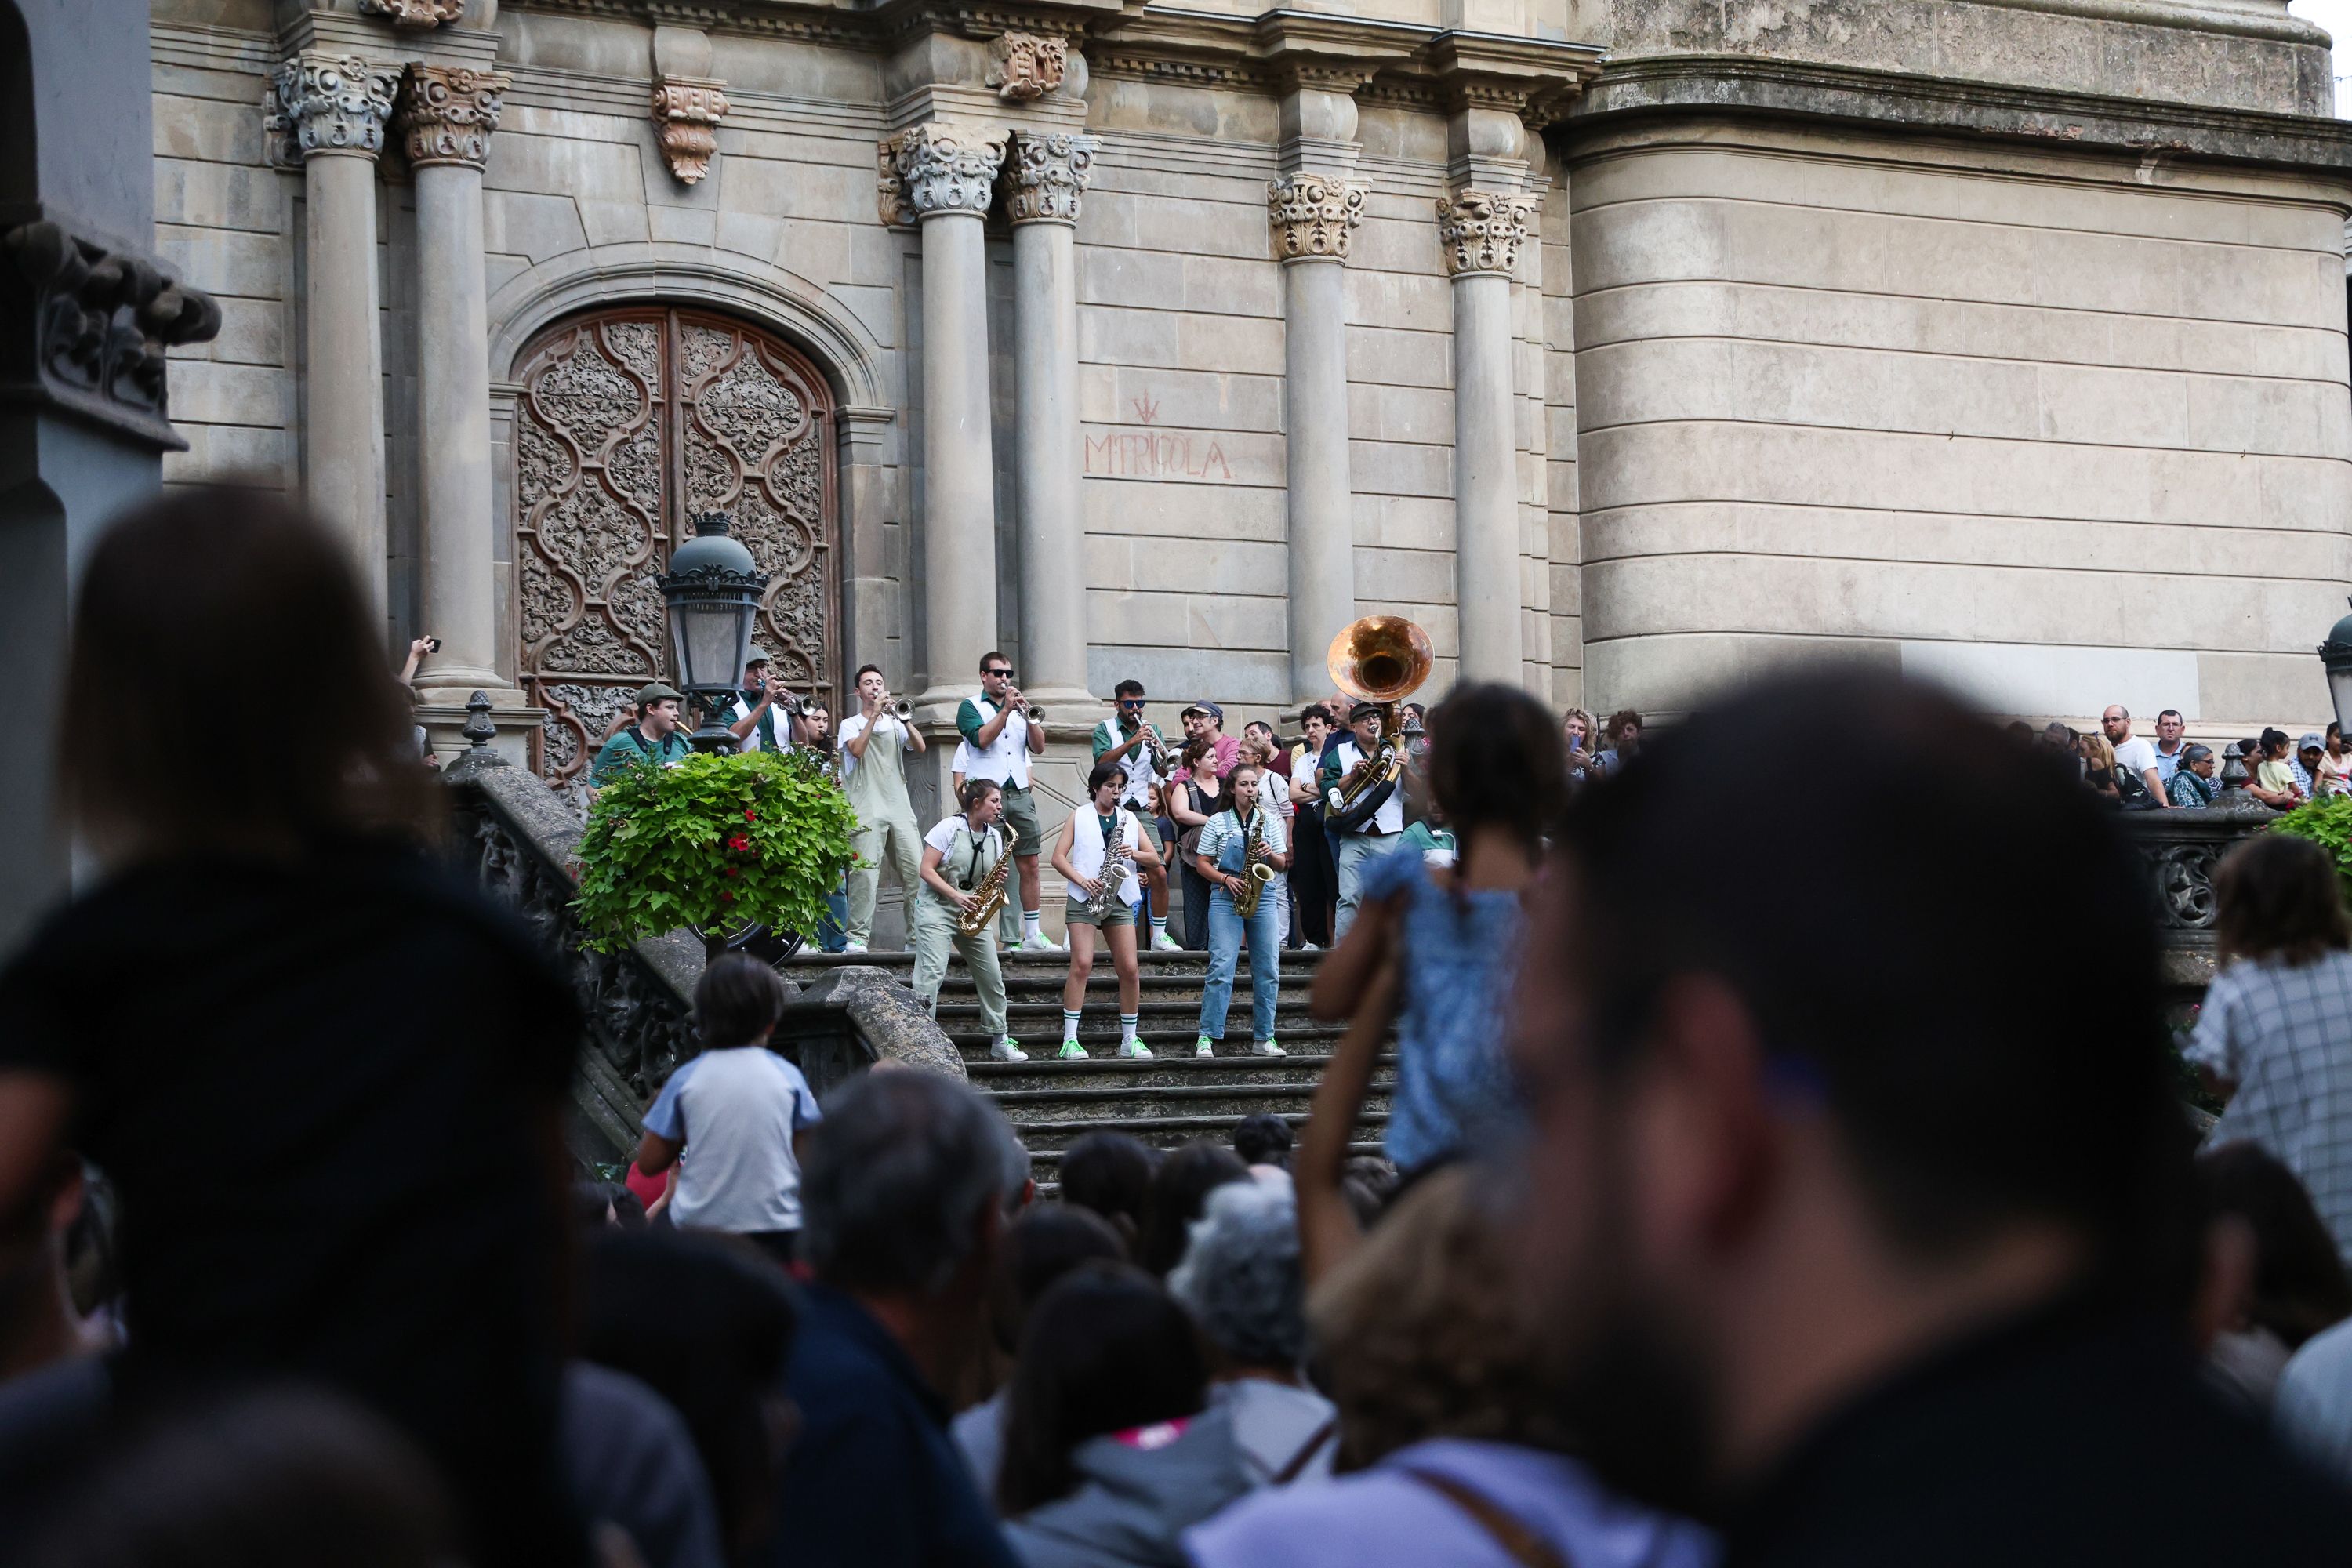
point(1627, 345)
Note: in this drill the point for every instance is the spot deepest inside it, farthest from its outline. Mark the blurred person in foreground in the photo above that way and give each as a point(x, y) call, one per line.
point(1447, 1444)
point(902, 1218)
point(2271, 1278)
point(1849, 1240)
point(326, 1078)
point(2274, 1035)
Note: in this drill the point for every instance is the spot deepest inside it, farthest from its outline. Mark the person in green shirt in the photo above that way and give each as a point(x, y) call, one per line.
point(653, 738)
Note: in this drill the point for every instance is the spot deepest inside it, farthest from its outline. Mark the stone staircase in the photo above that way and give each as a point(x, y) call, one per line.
point(1170, 1100)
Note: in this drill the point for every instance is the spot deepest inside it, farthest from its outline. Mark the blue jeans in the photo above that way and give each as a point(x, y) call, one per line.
point(831, 936)
point(1225, 947)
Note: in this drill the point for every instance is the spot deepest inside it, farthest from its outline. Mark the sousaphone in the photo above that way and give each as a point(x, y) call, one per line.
point(1382, 660)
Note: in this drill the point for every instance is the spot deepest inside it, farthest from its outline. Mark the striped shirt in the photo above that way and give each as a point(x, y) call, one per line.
point(1224, 826)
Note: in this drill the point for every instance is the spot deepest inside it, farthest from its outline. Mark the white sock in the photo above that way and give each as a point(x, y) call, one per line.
point(1070, 1027)
point(1028, 924)
point(1127, 1027)
point(1160, 925)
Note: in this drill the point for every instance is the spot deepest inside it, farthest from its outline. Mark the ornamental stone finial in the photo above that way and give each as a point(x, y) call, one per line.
point(1313, 215)
point(686, 112)
point(1022, 65)
point(1048, 173)
point(325, 102)
point(448, 113)
point(414, 13)
point(1481, 230)
point(928, 170)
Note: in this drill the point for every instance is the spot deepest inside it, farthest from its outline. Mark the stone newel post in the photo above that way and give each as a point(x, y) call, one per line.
point(1480, 231)
point(942, 179)
point(1313, 216)
point(1048, 173)
point(446, 115)
point(329, 112)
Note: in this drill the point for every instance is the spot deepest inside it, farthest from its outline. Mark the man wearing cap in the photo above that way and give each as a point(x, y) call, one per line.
point(756, 723)
point(653, 738)
point(1002, 732)
point(2307, 754)
point(1377, 834)
point(1205, 718)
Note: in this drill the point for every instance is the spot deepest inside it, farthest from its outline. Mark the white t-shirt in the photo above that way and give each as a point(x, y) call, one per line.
point(2138, 754)
point(855, 726)
point(736, 1111)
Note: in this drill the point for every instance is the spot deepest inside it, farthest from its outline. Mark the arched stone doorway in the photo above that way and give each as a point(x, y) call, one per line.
point(629, 422)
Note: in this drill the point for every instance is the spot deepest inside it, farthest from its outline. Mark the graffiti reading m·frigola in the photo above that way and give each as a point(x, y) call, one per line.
point(1156, 455)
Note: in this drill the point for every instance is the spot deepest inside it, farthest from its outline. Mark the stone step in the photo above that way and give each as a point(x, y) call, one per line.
point(1171, 1129)
point(1036, 1110)
point(1239, 1072)
point(1048, 1161)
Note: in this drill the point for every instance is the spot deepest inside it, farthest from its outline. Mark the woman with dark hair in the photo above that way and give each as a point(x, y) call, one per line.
point(1110, 1450)
point(2272, 1278)
point(1110, 1173)
point(327, 1081)
point(2274, 1035)
point(1445, 942)
point(1180, 1191)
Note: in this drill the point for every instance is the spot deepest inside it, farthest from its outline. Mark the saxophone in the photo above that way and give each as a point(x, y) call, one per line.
point(988, 899)
point(1117, 860)
point(1256, 873)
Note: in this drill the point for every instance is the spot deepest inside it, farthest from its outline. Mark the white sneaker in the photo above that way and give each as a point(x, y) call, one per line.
point(1204, 1047)
point(854, 947)
point(1162, 942)
point(1038, 941)
point(1265, 1048)
point(1134, 1050)
point(1007, 1049)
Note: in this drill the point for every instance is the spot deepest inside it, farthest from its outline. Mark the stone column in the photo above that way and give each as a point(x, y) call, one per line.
point(943, 178)
point(446, 115)
point(1048, 174)
point(331, 111)
point(1313, 216)
point(1481, 232)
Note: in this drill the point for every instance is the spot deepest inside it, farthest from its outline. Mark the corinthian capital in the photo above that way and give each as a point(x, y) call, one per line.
point(926, 170)
point(447, 112)
point(325, 102)
point(1313, 215)
point(1480, 230)
point(1049, 175)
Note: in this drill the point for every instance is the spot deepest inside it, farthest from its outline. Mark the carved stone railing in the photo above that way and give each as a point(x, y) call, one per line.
point(638, 1001)
point(2180, 851)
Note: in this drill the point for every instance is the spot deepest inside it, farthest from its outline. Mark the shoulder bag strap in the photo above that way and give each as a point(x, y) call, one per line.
point(1305, 1455)
point(1520, 1545)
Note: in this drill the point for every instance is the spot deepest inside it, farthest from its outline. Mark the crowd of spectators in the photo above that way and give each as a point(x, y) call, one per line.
point(1729, 1216)
point(2172, 772)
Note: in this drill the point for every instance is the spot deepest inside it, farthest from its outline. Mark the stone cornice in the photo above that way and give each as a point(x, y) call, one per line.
point(928, 170)
point(1480, 231)
point(1720, 85)
point(1045, 175)
point(448, 114)
point(1313, 216)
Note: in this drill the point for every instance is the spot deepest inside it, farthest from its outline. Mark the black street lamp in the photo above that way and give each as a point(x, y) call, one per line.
point(2335, 653)
point(712, 590)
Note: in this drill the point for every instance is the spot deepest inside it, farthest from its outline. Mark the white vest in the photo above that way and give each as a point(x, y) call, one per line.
point(1005, 763)
point(1086, 848)
point(1389, 818)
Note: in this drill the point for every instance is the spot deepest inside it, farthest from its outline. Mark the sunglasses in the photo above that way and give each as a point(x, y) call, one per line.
point(1003, 674)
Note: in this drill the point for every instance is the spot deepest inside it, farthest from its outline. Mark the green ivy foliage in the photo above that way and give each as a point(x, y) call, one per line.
point(712, 843)
point(2326, 822)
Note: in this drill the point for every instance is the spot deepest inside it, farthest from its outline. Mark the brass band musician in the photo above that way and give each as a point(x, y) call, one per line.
point(959, 857)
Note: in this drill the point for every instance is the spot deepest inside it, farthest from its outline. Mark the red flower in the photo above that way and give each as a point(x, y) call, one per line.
point(750, 815)
point(725, 895)
point(739, 844)
point(728, 870)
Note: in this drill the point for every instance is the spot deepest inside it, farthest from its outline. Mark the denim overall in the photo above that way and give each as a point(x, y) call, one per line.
point(1224, 945)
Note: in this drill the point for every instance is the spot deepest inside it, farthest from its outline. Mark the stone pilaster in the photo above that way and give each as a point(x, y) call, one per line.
point(1313, 216)
point(446, 117)
point(686, 112)
point(328, 112)
point(944, 179)
point(1048, 183)
point(1480, 232)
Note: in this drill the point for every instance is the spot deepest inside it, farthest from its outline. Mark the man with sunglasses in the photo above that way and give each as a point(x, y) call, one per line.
point(1139, 751)
point(998, 727)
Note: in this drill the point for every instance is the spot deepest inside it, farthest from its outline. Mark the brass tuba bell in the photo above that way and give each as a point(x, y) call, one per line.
point(1379, 658)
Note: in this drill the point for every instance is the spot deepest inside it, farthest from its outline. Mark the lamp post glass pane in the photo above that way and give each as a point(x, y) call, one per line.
point(2339, 690)
point(713, 635)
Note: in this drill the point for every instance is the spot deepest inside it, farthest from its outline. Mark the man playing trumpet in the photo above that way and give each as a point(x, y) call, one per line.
point(1237, 840)
point(874, 742)
point(1099, 853)
point(1002, 732)
point(767, 716)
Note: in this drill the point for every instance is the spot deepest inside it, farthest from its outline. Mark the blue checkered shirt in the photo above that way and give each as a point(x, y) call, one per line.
point(2284, 1035)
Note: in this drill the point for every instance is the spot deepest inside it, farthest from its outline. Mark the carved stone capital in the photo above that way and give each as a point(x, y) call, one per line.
point(325, 102)
point(1313, 215)
point(686, 112)
point(96, 327)
point(448, 113)
point(1022, 65)
point(414, 13)
point(926, 170)
point(1480, 230)
point(1048, 173)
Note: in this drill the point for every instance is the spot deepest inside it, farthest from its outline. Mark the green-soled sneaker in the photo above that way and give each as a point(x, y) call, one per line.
point(1204, 1047)
point(1072, 1052)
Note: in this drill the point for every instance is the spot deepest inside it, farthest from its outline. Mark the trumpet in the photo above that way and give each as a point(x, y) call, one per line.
point(1036, 715)
point(899, 708)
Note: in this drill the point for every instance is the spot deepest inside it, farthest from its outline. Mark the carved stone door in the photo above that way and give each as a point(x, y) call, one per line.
point(631, 422)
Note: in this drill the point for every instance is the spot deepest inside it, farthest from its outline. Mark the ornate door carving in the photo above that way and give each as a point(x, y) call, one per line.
point(630, 421)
